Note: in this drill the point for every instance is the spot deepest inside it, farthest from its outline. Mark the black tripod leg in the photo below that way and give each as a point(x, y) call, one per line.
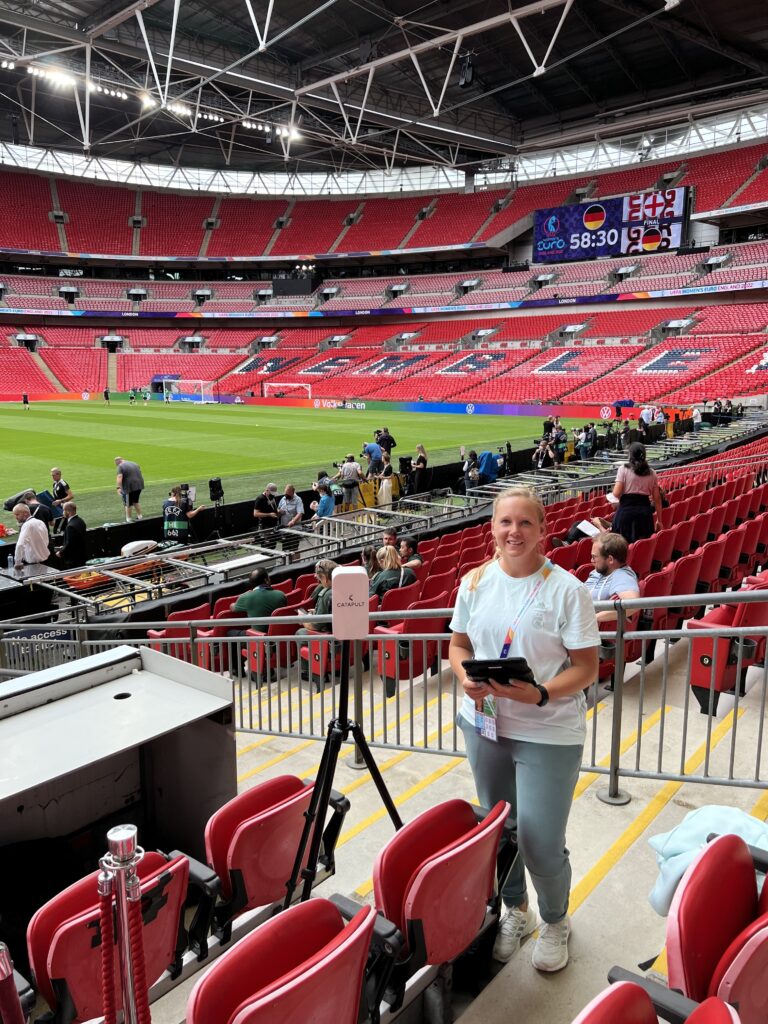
point(362, 743)
point(315, 814)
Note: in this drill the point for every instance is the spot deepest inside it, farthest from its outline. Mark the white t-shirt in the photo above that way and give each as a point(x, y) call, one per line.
point(561, 618)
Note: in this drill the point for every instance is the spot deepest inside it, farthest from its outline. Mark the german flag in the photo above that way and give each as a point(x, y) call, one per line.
point(651, 239)
point(594, 217)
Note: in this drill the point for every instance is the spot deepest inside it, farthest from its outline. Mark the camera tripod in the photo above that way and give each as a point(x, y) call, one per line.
point(339, 730)
point(218, 520)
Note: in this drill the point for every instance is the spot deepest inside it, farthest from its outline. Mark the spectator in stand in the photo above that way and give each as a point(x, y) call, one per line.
point(130, 484)
point(291, 510)
point(261, 600)
point(389, 538)
point(325, 506)
point(72, 553)
point(32, 546)
point(524, 742)
point(321, 596)
point(392, 575)
point(409, 553)
point(637, 489)
point(384, 493)
point(611, 578)
point(386, 441)
point(265, 509)
point(373, 452)
point(369, 561)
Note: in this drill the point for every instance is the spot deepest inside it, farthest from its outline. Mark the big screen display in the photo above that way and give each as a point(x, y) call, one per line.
point(646, 222)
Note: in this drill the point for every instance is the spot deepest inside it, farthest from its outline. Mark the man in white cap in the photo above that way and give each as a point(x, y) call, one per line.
point(265, 509)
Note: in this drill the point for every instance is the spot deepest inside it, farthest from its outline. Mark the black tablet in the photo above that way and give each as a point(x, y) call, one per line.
point(501, 670)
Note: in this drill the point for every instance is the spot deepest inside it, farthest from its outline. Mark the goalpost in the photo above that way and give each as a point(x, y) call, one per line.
point(280, 386)
point(200, 391)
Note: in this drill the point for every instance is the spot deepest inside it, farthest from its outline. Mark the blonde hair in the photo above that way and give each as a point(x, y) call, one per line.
point(388, 557)
point(516, 491)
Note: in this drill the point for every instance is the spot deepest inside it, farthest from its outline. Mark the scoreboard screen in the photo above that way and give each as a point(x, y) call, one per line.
point(646, 222)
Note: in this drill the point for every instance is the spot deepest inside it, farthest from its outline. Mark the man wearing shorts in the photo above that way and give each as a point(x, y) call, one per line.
point(130, 484)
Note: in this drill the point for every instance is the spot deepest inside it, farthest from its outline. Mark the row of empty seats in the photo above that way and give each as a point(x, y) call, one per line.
point(99, 218)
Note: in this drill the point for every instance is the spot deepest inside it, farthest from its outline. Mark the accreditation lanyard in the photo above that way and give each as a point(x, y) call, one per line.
point(485, 714)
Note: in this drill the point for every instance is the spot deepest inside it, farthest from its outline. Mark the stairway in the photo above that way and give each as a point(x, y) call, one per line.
point(286, 217)
point(757, 171)
point(345, 229)
point(59, 227)
point(492, 214)
point(112, 371)
point(209, 231)
point(45, 369)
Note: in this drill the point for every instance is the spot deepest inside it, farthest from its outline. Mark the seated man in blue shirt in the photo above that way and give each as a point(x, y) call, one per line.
point(611, 577)
point(372, 452)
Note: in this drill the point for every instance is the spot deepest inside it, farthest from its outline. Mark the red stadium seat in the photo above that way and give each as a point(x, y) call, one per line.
point(305, 964)
point(628, 1003)
point(64, 938)
point(179, 650)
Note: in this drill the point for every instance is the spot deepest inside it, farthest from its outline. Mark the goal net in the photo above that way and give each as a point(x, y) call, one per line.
point(188, 391)
point(280, 389)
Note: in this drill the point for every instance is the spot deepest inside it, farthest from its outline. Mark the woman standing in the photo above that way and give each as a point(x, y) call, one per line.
point(384, 494)
point(637, 488)
point(420, 470)
point(524, 743)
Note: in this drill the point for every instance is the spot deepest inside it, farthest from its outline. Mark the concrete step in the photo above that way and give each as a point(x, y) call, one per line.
point(44, 368)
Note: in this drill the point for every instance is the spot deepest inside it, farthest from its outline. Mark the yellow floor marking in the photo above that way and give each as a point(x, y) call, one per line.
point(588, 778)
point(760, 810)
point(616, 851)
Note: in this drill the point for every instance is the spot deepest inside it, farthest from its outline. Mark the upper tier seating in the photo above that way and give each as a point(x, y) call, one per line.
point(448, 332)
point(479, 296)
point(19, 373)
point(105, 304)
point(78, 369)
point(457, 217)
point(27, 201)
point(35, 302)
point(652, 284)
point(755, 192)
point(174, 224)
point(136, 371)
point(374, 337)
point(717, 176)
point(528, 198)
point(151, 337)
point(592, 270)
point(741, 255)
point(665, 367)
point(736, 318)
point(229, 306)
point(246, 226)
point(384, 224)
point(643, 178)
point(66, 337)
point(533, 328)
point(314, 227)
point(229, 338)
point(98, 216)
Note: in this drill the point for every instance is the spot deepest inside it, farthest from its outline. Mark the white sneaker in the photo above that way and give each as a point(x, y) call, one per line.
point(514, 926)
point(551, 950)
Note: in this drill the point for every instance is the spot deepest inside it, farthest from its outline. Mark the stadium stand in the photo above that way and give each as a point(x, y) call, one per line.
point(717, 176)
point(245, 226)
point(739, 318)
point(269, 365)
point(313, 227)
point(226, 338)
point(19, 372)
point(384, 223)
point(745, 376)
point(98, 217)
point(633, 179)
point(167, 289)
point(137, 371)
point(66, 337)
point(456, 218)
point(471, 375)
point(94, 303)
point(666, 367)
point(531, 328)
point(528, 198)
point(174, 224)
point(27, 202)
point(447, 333)
point(755, 192)
point(78, 369)
point(35, 302)
point(151, 337)
point(632, 323)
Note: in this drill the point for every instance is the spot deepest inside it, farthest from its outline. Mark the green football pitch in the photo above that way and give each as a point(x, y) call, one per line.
point(247, 446)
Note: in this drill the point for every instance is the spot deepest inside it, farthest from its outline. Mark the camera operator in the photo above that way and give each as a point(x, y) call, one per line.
point(385, 440)
point(559, 443)
point(373, 452)
point(544, 456)
point(349, 475)
point(177, 512)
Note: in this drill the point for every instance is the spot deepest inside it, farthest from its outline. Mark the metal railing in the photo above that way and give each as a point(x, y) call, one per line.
point(406, 696)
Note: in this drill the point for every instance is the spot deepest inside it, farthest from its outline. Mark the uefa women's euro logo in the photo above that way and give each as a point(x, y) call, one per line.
point(551, 226)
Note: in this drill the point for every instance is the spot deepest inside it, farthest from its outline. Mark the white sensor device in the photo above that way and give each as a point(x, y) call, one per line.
point(349, 594)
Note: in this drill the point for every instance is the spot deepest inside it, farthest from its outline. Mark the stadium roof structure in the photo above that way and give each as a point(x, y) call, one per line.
point(337, 85)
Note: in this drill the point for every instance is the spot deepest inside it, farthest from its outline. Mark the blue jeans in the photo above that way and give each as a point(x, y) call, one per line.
point(537, 780)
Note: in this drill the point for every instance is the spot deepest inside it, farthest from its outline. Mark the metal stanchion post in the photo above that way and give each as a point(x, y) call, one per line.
point(356, 760)
point(612, 794)
point(10, 1004)
point(118, 868)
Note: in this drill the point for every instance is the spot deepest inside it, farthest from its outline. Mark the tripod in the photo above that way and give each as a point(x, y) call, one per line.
point(339, 730)
point(218, 520)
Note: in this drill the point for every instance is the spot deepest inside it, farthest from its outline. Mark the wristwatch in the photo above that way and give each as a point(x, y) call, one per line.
point(544, 696)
